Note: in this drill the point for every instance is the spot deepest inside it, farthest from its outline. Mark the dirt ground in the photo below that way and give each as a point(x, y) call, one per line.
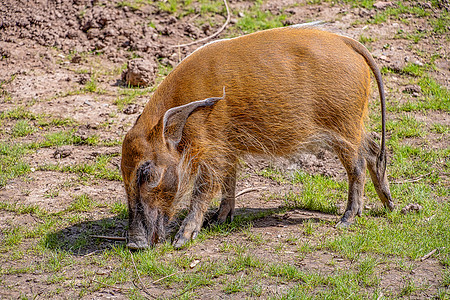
point(64, 59)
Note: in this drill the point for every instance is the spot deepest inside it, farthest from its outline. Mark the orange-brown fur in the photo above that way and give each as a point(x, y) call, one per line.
point(286, 89)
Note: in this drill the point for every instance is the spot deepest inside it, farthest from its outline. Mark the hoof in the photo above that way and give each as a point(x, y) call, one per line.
point(137, 245)
point(390, 206)
point(179, 242)
point(343, 224)
point(215, 219)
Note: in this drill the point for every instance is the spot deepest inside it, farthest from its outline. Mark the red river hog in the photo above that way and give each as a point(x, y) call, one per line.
point(272, 93)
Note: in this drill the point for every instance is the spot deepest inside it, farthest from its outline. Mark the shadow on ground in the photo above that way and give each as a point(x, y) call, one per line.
point(83, 238)
point(79, 239)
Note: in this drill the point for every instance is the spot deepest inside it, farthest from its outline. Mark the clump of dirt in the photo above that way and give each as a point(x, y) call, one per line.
point(140, 72)
point(413, 207)
point(131, 109)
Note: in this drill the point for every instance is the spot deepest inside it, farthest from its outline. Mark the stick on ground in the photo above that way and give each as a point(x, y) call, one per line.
point(211, 36)
point(111, 286)
point(162, 278)
point(114, 238)
point(428, 255)
point(249, 190)
point(411, 180)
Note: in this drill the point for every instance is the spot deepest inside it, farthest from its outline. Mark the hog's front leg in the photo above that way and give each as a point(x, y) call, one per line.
point(191, 225)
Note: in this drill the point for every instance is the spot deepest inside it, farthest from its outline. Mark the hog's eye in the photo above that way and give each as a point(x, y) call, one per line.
point(147, 174)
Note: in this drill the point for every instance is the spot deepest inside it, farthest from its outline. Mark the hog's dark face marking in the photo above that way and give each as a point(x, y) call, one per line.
point(151, 183)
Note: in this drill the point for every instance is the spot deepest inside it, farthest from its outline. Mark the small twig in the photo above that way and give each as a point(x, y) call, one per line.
point(162, 278)
point(194, 17)
point(115, 238)
point(36, 219)
point(428, 255)
point(91, 253)
point(139, 277)
point(136, 286)
point(430, 218)
point(211, 36)
point(411, 180)
point(249, 190)
point(111, 286)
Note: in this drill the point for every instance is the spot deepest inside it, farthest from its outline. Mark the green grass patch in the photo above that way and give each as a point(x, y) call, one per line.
point(399, 11)
point(92, 86)
point(22, 114)
point(99, 169)
point(22, 209)
point(410, 69)
point(414, 70)
point(273, 174)
point(415, 36)
point(410, 162)
point(47, 121)
point(446, 278)
point(120, 208)
point(405, 127)
point(56, 260)
point(170, 6)
point(368, 4)
point(392, 235)
point(441, 24)
point(440, 128)
point(207, 6)
point(237, 285)
point(365, 40)
point(318, 193)
point(187, 7)
point(436, 97)
point(22, 128)
point(134, 5)
point(128, 96)
point(12, 237)
point(65, 137)
point(18, 113)
point(11, 154)
point(351, 283)
point(287, 271)
point(11, 163)
point(257, 19)
point(434, 90)
point(81, 203)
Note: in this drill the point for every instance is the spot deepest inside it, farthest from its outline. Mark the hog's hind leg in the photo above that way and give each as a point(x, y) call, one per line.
point(355, 165)
point(227, 204)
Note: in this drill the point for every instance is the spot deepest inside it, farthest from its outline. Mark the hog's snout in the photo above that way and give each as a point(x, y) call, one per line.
point(147, 227)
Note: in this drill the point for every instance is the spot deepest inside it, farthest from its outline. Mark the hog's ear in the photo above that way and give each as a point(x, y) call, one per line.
point(176, 117)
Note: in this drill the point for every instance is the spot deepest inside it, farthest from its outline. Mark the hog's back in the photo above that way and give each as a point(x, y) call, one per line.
point(284, 88)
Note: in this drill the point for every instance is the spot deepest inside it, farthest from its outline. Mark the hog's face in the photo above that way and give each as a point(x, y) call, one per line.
point(150, 159)
point(151, 182)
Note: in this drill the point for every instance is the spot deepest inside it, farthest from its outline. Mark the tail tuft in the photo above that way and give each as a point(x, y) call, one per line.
point(381, 164)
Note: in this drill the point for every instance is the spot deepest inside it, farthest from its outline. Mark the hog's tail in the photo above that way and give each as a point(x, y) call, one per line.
point(360, 49)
